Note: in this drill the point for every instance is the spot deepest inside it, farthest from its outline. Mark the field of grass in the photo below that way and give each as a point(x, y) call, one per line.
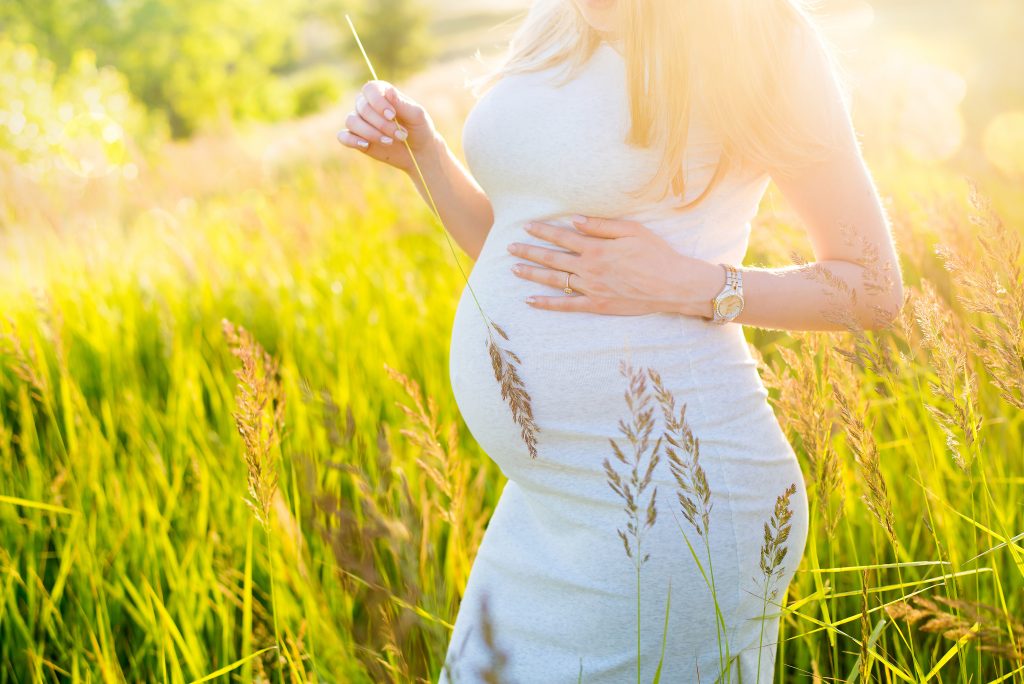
point(177, 504)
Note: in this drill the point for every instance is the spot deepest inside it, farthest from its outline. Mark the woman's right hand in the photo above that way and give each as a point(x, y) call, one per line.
point(375, 119)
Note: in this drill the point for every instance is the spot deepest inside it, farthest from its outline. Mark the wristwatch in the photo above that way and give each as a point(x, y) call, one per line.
point(728, 303)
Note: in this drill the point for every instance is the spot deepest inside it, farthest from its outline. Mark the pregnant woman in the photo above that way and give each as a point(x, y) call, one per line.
point(654, 512)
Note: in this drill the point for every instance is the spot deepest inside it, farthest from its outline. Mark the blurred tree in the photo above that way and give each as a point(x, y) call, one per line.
point(198, 61)
point(394, 34)
point(59, 29)
point(208, 60)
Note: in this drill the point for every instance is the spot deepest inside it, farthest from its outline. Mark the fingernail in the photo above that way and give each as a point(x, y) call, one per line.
point(577, 218)
point(516, 269)
point(362, 143)
point(512, 247)
point(386, 140)
point(401, 135)
point(389, 113)
point(531, 300)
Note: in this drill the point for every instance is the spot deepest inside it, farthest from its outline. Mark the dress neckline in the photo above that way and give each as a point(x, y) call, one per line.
point(605, 43)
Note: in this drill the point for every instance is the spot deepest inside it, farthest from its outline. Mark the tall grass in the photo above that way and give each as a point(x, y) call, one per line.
point(129, 551)
point(631, 486)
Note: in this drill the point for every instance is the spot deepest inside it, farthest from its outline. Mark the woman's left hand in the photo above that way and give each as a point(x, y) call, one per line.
point(618, 267)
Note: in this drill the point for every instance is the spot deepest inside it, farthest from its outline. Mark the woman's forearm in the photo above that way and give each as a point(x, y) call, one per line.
point(828, 294)
point(463, 207)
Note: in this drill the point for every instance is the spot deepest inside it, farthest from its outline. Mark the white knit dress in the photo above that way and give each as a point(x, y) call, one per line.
point(560, 589)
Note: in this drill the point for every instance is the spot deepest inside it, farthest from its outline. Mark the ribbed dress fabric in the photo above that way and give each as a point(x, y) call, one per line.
point(561, 592)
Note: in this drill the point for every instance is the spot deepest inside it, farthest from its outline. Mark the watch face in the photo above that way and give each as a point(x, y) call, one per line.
point(730, 305)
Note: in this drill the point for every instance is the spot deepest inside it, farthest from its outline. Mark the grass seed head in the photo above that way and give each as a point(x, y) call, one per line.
point(513, 391)
point(259, 416)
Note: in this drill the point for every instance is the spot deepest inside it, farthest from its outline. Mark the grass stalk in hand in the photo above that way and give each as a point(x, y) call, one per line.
point(503, 361)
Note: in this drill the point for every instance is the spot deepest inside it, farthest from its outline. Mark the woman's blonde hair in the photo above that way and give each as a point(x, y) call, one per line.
point(760, 66)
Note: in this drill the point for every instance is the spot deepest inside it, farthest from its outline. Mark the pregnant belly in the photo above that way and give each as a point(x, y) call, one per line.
point(571, 368)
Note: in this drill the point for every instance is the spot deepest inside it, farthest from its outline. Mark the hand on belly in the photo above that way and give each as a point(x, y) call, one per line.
point(614, 267)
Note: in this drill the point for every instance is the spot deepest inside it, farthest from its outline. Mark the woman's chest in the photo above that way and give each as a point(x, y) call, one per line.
point(565, 144)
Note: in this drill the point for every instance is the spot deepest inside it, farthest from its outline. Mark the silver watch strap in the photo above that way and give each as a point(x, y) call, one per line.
point(733, 277)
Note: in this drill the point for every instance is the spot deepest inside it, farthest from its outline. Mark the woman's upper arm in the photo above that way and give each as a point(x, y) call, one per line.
point(835, 197)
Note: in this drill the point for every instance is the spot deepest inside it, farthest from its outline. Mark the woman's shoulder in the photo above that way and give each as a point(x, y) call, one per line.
point(812, 64)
